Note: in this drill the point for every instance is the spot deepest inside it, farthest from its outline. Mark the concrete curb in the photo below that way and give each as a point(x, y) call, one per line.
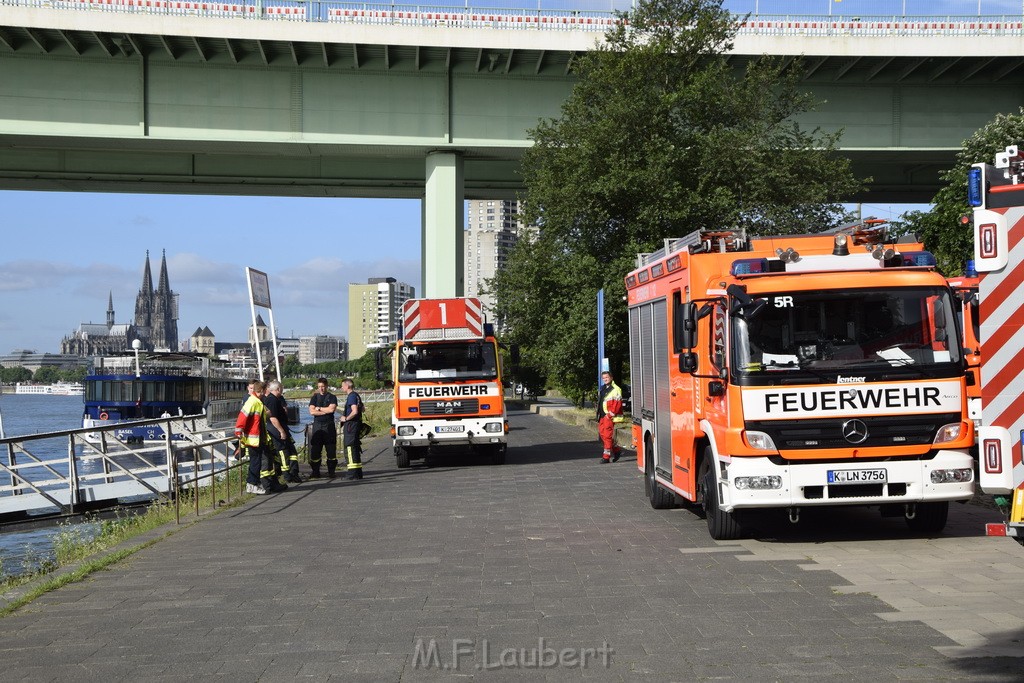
point(570, 415)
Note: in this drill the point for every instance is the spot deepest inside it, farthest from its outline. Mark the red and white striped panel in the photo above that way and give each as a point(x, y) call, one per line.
point(436, 319)
point(1002, 337)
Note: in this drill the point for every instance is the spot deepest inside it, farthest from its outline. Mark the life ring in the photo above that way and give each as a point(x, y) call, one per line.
point(103, 416)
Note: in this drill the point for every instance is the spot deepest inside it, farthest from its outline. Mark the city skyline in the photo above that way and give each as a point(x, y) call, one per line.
point(65, 253)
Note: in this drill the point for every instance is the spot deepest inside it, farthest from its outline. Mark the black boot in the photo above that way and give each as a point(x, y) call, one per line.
point(331, 467)
point(315, 474)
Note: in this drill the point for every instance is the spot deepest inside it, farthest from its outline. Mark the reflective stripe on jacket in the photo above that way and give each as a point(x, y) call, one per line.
point(611, 402)
point(250, 427)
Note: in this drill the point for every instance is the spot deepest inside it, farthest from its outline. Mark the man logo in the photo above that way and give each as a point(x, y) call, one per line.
point(855, 431)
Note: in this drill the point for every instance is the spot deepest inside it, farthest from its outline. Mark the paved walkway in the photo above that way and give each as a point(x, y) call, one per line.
point(552, 567)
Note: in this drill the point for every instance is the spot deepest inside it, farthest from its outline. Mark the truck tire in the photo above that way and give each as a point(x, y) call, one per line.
point(402, 458)
point(721, 525)
point(660, 498)
point(929, 518)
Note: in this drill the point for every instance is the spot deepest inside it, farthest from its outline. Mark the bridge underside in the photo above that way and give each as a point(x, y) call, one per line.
point(89, 101)
point(98, 101)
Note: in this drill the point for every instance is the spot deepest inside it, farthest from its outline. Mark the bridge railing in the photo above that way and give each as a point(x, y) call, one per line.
point(447, 16)
point(71, 471)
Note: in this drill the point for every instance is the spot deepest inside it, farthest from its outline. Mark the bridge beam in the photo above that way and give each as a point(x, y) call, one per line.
point(442, 231)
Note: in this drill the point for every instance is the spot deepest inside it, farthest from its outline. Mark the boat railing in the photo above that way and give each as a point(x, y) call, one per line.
point(74, 471)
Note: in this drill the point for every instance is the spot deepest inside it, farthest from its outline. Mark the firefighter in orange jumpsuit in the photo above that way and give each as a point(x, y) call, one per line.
point(609, 414)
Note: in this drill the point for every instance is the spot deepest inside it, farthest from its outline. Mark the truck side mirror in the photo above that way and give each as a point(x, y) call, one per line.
point(389, 384)
point(684, 324)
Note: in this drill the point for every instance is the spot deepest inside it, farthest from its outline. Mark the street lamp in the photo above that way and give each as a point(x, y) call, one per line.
point(136, 345)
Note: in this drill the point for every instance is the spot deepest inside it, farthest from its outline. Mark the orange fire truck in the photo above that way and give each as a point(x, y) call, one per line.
point(447, 381)
point(798, 371)
point(996, 193)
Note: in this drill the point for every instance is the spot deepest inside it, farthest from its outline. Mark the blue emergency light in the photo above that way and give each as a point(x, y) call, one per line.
point(749, 266)
point(974, 189)
point(918, 258)
point(971, 270)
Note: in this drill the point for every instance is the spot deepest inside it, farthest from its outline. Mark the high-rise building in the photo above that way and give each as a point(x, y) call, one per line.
point(374, 312)
point(492, 229)
point(320, 349)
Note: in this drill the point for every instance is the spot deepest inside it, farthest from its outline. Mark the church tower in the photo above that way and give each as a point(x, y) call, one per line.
point(156, 311)
point(144, 308)
point(165, 311)
point(110, 310)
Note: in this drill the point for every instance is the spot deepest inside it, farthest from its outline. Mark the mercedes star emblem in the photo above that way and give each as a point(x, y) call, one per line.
point(855, 431)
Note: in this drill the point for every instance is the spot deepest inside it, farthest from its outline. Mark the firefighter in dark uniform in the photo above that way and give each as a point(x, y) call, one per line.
point(322, 406)
point(277, 428)
point(351, 422)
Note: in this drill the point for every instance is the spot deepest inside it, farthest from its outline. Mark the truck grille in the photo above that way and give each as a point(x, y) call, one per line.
point(458, 406)
point(889, 430)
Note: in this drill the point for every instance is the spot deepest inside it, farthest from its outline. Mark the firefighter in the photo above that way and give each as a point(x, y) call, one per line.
point(277, 427)
point(609, 414)
point(322, 406)
point(251, 432)
point(351, 422)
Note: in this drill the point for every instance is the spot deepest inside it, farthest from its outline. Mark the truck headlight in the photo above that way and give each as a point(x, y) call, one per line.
point(771, 481)
point(959, 475)
point(493, 427)
point(760, 441)
point(950, 432)
point(406, 430)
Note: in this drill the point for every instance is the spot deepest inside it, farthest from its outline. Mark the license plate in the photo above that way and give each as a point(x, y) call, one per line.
point(448, 429)
point(857, 476)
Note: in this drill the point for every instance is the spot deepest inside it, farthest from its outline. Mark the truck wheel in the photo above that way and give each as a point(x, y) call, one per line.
point(929, 518)
point(402, 457)
point(660, 498)
point(721, 525)
point(498, 454)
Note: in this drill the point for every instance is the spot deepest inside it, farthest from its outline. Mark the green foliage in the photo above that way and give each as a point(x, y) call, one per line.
point(660, 136)
point(12, 375)
point(940, 229)
point(47, 375)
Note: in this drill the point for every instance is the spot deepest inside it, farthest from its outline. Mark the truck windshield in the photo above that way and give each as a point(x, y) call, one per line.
point(839, 330)
point(451, 360)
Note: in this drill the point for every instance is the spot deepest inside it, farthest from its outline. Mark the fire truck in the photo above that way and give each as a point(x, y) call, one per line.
point(447, 381)
point(996, 194)
point(798, 371)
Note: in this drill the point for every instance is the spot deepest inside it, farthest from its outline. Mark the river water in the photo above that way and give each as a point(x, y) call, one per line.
point(23, 414)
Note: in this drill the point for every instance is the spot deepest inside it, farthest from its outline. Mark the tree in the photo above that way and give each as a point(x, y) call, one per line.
point(47, 374)
point(940, 229)
point(659, 137)
point(15, 374)
point(291, 366)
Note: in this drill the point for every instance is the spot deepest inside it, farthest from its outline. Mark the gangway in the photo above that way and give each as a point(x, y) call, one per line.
point(79, 470)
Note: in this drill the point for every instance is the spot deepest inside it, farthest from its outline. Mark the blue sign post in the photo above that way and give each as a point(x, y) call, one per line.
point(602, 362)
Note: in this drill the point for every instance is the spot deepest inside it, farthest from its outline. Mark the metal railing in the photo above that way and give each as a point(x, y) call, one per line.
point(466, 16)
point(68, 472)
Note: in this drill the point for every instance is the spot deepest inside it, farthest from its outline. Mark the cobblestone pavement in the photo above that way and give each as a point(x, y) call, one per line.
point(550, 567)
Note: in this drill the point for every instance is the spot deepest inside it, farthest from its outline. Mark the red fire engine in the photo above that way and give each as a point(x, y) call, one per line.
point(447, 381)
point(798, 371)
point(997, 195)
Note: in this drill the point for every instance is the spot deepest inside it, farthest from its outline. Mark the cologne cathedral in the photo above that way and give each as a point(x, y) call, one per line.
point(155, 324)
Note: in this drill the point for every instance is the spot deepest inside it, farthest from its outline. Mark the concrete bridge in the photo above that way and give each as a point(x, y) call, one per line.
point(344, 99)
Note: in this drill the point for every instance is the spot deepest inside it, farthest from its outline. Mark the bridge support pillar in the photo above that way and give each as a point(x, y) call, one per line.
point(443, 224)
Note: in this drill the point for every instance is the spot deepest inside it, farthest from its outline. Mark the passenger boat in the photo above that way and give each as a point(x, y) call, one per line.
point(126, 389)
point(57, 389)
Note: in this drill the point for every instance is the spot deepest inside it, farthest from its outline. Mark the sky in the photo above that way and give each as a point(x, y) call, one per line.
point(62, 254)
